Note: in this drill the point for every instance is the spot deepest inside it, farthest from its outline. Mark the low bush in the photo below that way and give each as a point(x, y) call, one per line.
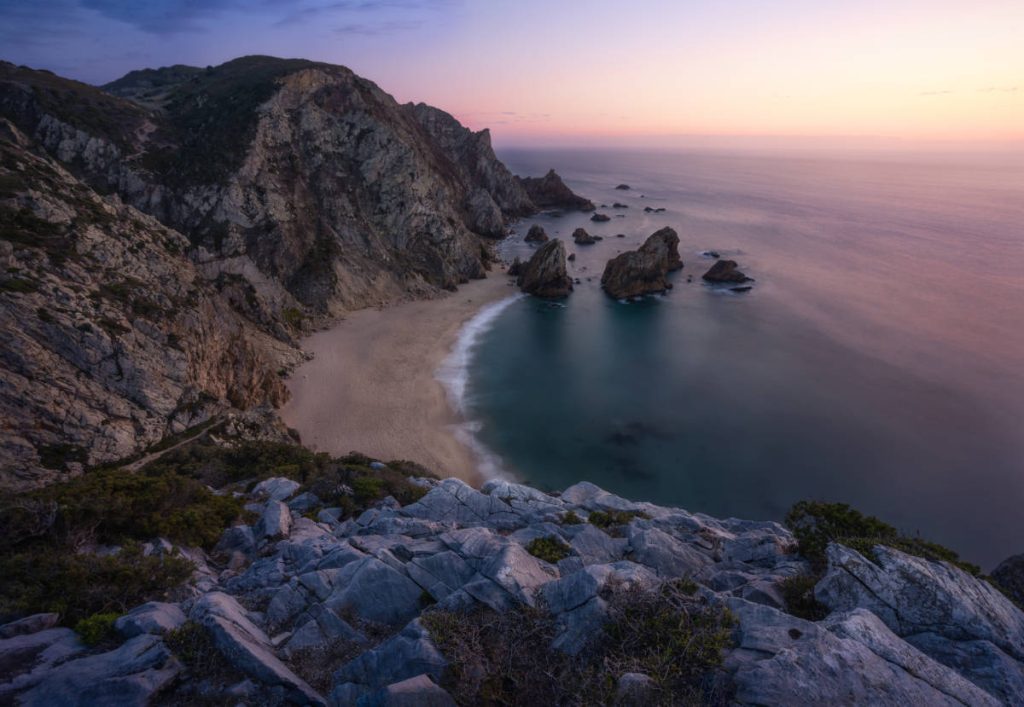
point(97, 628)
point(815, 524)
point(45, 577)
point(505, 658)
point(611, 521)
point(798, 592)
point(571, 518)
point(550, 549)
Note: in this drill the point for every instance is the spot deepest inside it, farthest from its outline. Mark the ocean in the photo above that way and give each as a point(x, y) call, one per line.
point(878, 359)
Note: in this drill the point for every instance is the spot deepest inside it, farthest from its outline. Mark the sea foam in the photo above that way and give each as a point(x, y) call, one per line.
point(453, 374)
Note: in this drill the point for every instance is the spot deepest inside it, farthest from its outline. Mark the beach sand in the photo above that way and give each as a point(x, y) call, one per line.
point(371, 386)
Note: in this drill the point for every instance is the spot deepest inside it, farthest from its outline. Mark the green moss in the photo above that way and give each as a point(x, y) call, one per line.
point(97, 628)
point(550, 549)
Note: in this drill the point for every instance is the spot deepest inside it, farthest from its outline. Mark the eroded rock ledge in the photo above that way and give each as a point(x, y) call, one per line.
point(292, 596)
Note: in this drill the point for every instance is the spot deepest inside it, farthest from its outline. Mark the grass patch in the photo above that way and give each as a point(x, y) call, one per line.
point(506, 658)
point(550, 549)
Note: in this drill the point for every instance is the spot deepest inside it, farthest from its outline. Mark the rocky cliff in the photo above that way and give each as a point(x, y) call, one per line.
point(233, 207)
point(644, 270)
point(304, 175)
point(112, 339)
point(597, 599)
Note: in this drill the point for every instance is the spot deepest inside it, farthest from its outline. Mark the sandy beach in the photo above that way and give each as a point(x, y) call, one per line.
point(371, 387)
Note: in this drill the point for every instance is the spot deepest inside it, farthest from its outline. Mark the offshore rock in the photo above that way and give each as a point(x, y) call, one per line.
point(544, 275)
point(724, 271)
point(581, 237)
point(643, 271)
point(536, 234)
point(550, 192)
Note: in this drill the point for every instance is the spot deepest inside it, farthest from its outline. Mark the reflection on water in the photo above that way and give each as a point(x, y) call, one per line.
point(877, 359)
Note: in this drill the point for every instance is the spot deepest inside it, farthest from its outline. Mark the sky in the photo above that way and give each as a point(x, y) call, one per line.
point(579, 72)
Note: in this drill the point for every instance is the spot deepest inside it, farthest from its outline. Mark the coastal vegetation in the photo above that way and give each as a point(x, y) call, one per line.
point(675, 639)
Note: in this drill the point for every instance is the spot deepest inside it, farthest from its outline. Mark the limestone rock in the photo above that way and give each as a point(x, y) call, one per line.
point(544, 275)
point(643, 271)
point(154, 617)
point(129, 675)
point(276, 488)
point(274, 522)
point(29, 624)
point(247, 647)
point(1009, 575)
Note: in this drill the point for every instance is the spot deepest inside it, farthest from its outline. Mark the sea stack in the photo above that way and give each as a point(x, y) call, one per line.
point(536, 234)
point(544, 275)
point(581, 237)
point(724, 271)
point(645, 270)
point(550, 192)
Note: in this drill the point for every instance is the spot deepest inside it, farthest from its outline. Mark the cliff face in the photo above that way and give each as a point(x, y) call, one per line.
point(112, 338)
point(304, 172)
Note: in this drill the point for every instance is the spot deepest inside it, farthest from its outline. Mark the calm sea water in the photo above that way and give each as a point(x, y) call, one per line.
point(878, 360)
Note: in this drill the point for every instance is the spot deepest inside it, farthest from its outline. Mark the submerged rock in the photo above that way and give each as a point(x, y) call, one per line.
point(643, 271)
point(544, 275)
point(600, 218)
point(724, 271)
point(536, 234)
point(623, 187)
point(550, 192)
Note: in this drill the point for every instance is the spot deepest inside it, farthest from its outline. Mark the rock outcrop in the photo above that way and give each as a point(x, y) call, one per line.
point(725, 271)
point(645, 270)
point(600, 218)
point(581, 237)
point(550, 192)
point(902, 630)
point(112, 338)
point(544, 275)
point(536, 234)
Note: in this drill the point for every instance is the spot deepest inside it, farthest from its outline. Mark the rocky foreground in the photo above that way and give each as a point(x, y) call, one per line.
point(303, 610)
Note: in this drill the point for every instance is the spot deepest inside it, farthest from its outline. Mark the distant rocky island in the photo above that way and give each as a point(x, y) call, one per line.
point(167, 241)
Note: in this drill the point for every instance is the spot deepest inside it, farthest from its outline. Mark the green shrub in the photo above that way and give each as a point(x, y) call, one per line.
point(292, 317)
point(119, 505)
point(46, 577)
point(611, 521)
point(550, 549)
point(815, 524)
point(193, 646)
point(96, 628)
point(798, 592)
point(571, 518)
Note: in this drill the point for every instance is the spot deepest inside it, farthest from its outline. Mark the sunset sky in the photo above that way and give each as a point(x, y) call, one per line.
point(576, 72)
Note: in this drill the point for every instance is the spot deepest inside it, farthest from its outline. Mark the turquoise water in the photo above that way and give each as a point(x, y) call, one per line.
point(877, 360)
